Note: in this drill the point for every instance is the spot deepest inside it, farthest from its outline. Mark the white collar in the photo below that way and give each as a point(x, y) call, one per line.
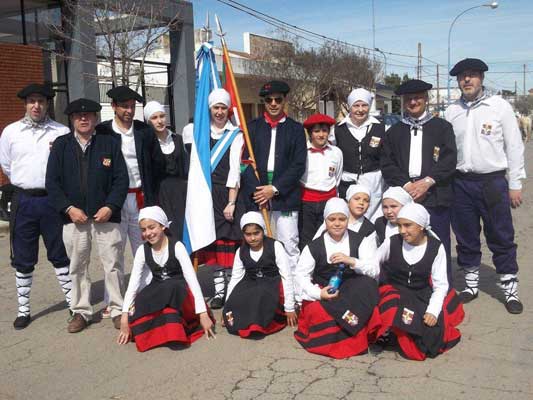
point(115, 127)
point(329, 239)
point(218, 134)
point(370, 120)
point(168, 138)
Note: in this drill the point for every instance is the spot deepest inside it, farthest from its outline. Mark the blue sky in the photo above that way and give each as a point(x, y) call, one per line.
point(502, 37)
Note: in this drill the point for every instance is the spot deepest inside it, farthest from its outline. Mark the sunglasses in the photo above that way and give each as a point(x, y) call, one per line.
point(277, 100)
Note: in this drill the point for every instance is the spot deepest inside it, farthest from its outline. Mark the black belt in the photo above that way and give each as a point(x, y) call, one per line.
point(479, 177)
point(33, 192)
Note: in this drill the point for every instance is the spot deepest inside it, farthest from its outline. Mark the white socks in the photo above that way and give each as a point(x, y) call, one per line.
point(63, 278)
point(471, 280)
point(23, 282)
point(509, 286)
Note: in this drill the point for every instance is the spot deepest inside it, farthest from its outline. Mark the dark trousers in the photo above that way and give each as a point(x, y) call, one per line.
point(440, 224)
point(487, 200)
point(35, 216)
point(310, 217)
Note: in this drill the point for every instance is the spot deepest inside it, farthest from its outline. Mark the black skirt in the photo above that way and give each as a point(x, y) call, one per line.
point(172, 197)
point(224, 228)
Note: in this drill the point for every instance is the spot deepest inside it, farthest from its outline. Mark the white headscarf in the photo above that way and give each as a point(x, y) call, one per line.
point(219, 96)
point(336, 205)
point(354, 189)
point(253, 217)
point(151, 108)
point(416, 213)
point(155, 213)
point(399, 194)
point(360, 94)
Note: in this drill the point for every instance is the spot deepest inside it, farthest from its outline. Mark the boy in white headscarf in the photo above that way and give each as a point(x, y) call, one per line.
point(338, 321)
point(164, 302)
point(415, 304)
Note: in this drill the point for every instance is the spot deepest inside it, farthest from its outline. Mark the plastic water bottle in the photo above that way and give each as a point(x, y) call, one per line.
point(336, 280)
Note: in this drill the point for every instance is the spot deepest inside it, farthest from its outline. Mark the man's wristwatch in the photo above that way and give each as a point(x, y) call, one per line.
point(276, 191)
point(428, 180)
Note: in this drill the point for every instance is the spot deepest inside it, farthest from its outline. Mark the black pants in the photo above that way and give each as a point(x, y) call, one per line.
point(310, 217)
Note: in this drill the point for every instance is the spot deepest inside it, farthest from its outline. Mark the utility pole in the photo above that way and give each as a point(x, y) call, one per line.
point(419, 65)
point(524, 79)
point(374, 30)
point(438, 90)
point(515, 92)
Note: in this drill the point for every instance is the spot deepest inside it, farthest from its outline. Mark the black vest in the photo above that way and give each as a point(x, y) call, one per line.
point(367, 228)
point(220, 174)
point(265, 266)
point(323, 269)
point(381, 226)
point(360, 157)
point(416, 276)
point(172, 267)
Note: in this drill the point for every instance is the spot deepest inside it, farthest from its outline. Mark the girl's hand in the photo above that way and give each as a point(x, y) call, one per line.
point(222, 323)
point(430, 319)
point(338, 258)
point(228, 212)
point(292, 318)
point(124, 335)
point(207, 325)
point(324, 295)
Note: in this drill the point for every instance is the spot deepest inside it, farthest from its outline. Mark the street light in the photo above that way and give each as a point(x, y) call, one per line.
point(492, 6)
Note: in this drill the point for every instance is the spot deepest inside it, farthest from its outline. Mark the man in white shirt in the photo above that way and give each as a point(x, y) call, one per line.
point(489, 147)
point(24, 150)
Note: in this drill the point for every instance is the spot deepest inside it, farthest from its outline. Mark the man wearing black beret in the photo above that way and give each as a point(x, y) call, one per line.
point(143, 157)
point(420, 155)
point(24, 149)
point(280, 148)
point(490, 147)
point(87, 181)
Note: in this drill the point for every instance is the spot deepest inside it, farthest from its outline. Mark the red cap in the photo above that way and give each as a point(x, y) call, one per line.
point(318, 119)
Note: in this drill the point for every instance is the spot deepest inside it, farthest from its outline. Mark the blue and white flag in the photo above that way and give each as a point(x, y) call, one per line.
point(199, 229)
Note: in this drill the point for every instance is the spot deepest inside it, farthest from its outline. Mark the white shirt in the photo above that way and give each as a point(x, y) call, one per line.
point(354, 226)
point(141, 275)
point(130, 155)
point(390, 230)
point(415, 150)
point(283, 263)
point(323, 171)
point(414, 254)
point(167, 145)
point(235, 150)
point(366, 264)
point(488, 139)
point(358, 132)
point(272, 151)
point(187, 133)
point(24, 152)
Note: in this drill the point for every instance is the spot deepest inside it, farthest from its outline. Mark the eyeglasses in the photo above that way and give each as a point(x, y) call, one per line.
point(277, 100)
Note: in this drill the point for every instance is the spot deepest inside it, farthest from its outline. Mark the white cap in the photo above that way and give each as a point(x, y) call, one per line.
point(151, 108)
point(253, 217)
point(219, 96)
point(354, 189)
point(155, 213)
point(336, 205)
point(399, 194)
point(416, 213)
point(360, 94)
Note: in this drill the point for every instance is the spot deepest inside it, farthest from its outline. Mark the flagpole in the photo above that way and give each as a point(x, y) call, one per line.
point(242, 120)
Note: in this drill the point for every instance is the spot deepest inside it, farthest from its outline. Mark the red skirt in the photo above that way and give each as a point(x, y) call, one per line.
point(220, 253)
point(319, 333)
point(418, 347)
point(168, 325)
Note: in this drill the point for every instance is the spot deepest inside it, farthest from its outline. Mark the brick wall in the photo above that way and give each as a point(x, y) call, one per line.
point(19, 66)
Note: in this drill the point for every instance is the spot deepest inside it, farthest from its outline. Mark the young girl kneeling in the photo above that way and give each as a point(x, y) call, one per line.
point(338, 324)
point(394, 199)
point(260, 298)
point(415, 303)
point(164, 302)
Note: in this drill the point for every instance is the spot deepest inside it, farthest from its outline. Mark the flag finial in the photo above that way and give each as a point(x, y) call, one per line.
point(219, 28)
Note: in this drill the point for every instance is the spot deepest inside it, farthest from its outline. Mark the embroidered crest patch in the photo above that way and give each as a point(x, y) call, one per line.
point(486, 129)
point(229, 318)
point(407, 316)
point(106, 162)
point(436, 153)
point(332, 171)
point(374, 141)
point(351, 318)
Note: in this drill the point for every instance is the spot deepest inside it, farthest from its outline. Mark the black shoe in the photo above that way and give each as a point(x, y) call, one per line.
point(466, 296)
point(217, 303)
point(21, 322)
point(514, 306)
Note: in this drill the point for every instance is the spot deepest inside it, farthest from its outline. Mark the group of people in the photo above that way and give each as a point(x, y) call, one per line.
point(361, 251)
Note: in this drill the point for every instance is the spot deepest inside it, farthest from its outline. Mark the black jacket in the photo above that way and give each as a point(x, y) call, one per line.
point(439, 158)
point(107, 176)
point(149, 156)
point(291, 157)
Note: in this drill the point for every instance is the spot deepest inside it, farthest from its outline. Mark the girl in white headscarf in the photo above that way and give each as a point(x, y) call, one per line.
point(337, 323)
point(163, 287)
point(260, 298)
point(415, 303)
point(394, 199)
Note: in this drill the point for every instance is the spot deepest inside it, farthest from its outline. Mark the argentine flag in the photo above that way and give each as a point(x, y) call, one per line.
point(199, 230)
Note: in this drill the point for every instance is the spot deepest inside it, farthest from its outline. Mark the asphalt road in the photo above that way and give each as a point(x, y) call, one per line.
point(494, 359)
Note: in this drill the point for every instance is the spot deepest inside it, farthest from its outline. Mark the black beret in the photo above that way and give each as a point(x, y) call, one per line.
point(474, 64)
point(123, 93)
point(82, 105)
point(413, 86)
point(37, 88)
point(274, 87)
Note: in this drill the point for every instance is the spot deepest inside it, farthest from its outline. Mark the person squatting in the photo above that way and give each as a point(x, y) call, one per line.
point(361, 253)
